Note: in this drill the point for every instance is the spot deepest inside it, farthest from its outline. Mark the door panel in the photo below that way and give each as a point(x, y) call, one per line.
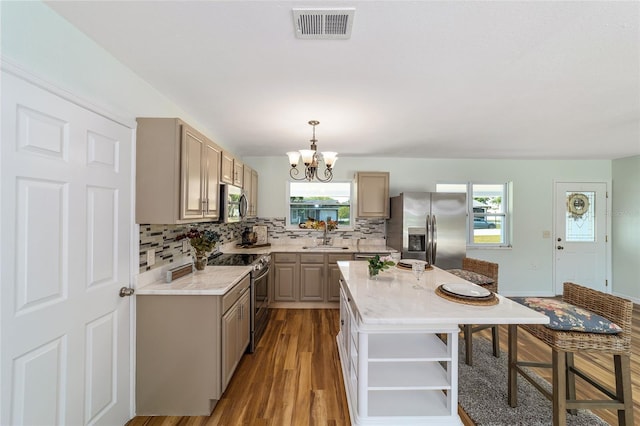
point(580, 240)
point(66, 232)
point(192, 174)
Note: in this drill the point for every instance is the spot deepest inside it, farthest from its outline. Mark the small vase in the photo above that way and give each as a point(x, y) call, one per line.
point(200, 260)
point(373, 273)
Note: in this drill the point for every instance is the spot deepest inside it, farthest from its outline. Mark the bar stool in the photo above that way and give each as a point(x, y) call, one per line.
point(565, 343)
point(484, 274)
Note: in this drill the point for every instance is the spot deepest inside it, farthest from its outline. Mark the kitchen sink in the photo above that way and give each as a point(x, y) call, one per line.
point(335, 248)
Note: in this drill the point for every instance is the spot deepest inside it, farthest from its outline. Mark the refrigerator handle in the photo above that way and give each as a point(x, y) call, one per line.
point(434, 239)
point(427, 236)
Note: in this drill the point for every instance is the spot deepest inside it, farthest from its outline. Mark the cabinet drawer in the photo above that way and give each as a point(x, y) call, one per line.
point(312, 258)
point(285, 257)
point(234, 294)
point(334, 258)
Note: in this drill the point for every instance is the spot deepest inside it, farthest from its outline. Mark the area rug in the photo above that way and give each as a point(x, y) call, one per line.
point(482, 393)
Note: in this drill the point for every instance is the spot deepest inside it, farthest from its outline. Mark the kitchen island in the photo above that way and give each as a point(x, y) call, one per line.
point(398, 344)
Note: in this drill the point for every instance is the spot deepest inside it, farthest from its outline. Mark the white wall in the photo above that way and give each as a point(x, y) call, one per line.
point(626, 227)
point(525, 269)
point(38, 40)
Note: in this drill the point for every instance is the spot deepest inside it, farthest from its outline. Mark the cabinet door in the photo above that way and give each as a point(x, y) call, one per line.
point(333, 275)
point(192, 175)
point(226, 168)
point(246, 179)
point(253, 196)
point(285, 279)
point(212, 181)
point(311, 282)
point(246, 185)
point(373, 194)
point(333, 286)
point(230, 343)
point(238, 173)
point(244, 325)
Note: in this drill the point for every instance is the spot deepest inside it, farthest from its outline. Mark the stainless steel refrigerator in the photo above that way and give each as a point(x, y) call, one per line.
point(430, 226)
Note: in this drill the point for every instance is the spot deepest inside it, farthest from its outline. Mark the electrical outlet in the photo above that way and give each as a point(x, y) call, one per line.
point(185, 246)
point(151, 257)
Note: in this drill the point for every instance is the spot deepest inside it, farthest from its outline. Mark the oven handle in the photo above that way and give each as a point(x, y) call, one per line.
point(264, 271)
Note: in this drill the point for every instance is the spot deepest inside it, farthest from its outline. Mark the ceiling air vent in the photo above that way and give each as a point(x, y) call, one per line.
point(315, 23)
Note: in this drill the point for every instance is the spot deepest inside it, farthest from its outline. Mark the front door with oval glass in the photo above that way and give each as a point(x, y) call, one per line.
point(580, 240)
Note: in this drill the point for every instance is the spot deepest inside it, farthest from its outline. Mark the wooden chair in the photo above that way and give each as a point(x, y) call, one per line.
point(489, 270)
point(563, 345)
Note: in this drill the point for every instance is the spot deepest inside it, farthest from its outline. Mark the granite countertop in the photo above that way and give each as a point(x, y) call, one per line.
point(397, 298)
point(337, 247)
point(213, 281)
point(217, 280)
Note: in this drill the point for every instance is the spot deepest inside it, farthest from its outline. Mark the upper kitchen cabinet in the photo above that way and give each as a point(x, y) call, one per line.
point(250, 186)
point(372, 192)
point(253, 196)
point(231, 170)
point(238, 173)
point(178, 172)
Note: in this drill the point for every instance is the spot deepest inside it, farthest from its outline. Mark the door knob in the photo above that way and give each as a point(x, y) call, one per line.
point(560, 248)
point(126, 291)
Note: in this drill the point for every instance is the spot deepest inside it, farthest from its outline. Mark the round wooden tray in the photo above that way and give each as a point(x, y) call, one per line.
point(467, 301)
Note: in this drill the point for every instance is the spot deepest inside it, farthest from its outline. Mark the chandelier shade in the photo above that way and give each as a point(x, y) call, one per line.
point(311, 160)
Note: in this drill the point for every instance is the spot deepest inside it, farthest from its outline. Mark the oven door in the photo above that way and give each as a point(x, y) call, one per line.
point(260, 308)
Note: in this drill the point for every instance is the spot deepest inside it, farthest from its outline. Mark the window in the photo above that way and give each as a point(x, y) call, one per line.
point(489, 206)
point(319, 201)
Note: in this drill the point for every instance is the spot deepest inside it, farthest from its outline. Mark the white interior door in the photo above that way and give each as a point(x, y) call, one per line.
point(580, 249)
point(65, 225)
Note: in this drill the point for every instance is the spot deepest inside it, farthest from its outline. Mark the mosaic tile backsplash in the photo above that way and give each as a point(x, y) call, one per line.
point(162, 238)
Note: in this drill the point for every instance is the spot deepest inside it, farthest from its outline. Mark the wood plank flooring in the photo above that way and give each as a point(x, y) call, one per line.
point(294, 377)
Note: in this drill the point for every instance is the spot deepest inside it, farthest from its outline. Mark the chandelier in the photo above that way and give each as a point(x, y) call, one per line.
point(311, 159)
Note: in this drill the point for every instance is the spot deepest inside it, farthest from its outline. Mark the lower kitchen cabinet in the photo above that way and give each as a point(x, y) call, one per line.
point(312, 273)
point(285, 277)
point(235, 335)
point(307, 277)
point(333, 275)
point(185, 356)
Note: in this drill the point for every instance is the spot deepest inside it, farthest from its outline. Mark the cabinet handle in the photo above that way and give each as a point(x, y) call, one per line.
point(341, 322)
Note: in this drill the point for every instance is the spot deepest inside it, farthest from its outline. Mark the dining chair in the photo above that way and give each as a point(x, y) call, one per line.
point(485, 274)
point(585, 320)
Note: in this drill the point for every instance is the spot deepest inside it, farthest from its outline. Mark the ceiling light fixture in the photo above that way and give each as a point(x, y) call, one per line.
point(311, 158)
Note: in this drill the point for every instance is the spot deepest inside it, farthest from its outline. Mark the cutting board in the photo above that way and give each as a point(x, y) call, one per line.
point(261, 234)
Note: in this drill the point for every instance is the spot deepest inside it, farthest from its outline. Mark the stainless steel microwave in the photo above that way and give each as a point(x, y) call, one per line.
point(234, 203)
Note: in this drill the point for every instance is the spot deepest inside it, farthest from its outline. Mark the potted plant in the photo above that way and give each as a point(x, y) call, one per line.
point(378, 264)
point(202, 242)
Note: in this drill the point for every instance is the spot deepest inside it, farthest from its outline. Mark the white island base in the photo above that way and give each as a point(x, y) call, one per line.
point(398, 375)
point(397, 369)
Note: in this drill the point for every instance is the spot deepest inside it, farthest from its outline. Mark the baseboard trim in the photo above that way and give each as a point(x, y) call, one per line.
point(304, 305)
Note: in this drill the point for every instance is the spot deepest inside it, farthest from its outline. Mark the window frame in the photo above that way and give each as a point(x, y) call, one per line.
point(292, 227)
point(506, 215)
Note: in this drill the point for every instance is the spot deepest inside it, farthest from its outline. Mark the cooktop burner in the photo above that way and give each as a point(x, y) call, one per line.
point(221, 259)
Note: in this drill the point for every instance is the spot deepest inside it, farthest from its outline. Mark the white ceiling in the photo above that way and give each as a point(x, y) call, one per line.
point(434, 79)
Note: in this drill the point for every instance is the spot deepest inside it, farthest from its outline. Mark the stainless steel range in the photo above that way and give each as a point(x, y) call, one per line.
point(259, 288)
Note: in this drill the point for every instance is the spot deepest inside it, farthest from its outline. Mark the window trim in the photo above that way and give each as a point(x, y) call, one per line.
point(291, 227)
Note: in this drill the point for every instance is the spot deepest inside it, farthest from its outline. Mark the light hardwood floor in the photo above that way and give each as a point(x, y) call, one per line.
point(294, 377)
